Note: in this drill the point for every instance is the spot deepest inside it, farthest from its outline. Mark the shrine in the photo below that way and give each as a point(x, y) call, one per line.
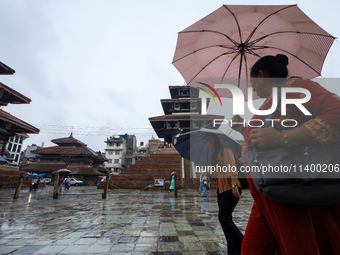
point(72, 154)
point(9, 127)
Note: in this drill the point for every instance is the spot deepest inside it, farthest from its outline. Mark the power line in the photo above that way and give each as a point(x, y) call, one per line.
point(91, 130)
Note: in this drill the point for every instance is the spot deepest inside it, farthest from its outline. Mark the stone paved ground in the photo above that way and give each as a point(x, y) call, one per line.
point(127, 222)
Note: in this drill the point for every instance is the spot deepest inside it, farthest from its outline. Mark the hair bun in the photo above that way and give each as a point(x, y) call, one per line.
point(282, 59)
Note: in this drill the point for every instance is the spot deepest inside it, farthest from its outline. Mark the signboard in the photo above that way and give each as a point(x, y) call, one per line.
point(159, 182)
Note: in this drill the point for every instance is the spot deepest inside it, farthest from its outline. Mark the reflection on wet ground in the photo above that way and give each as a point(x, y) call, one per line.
point(127, 222)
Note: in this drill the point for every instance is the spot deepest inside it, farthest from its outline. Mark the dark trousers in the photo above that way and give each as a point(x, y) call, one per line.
point(226, 204)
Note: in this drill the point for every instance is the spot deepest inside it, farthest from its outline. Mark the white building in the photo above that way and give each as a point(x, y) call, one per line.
point(119, 151)
point(14, 147)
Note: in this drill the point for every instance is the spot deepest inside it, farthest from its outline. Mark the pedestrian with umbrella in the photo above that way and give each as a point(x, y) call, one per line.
point(271, 41)
point(213, 148)
point(273, 225)
point(229, 191)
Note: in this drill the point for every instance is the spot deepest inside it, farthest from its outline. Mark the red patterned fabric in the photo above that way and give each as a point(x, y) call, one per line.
point(290, 229)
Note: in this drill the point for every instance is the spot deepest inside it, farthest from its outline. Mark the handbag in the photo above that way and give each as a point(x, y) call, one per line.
point(305, 174)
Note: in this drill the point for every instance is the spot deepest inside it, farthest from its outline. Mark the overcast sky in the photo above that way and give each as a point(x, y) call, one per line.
point(100, 67)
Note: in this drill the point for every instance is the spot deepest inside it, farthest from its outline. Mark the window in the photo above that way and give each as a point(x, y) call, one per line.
point(21, 139)
point(177, 106)
point(110, 152)
point(16, 138)
point(116, 161)
point(11, 138)
point(14, 147)
point(115, 170)
point(185, 92)
point(16, 158)
point(111, 144)
point(117, 152)
point(19, 148)
point(9, 146)
point(109, 161)
point(118, 144)
point(193, 105)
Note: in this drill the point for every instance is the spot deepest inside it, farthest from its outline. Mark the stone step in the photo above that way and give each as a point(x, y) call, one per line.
point(154, 167)
point(159, 162)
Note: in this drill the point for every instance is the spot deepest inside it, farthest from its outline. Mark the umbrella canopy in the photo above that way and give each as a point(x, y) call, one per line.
point(64, 171)
point(223, 46)
point(34, 175)
point(192, 145)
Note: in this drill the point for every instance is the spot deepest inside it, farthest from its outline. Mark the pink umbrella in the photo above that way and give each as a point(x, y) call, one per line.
point(223, 46)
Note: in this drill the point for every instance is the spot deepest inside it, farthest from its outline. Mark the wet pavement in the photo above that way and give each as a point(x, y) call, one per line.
point(127, 222)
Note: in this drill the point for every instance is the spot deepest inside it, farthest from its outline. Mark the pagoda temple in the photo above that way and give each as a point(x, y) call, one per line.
point(182, 113)
point(9, 124)
point(72, 154)
point(9, 127)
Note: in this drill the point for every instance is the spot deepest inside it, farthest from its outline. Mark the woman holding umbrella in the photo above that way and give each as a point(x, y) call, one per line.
point(287, 228)
point(228, 190)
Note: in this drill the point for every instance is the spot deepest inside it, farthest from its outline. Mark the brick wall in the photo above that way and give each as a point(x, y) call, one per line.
point(9, 176)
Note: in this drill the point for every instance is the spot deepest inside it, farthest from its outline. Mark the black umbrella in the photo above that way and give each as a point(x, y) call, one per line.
point(192, 145)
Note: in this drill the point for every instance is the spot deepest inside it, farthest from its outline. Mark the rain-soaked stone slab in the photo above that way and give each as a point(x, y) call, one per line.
point(29, 249)
point(127, 239)
point(170, 246)
point(55, 249)
point(193, 246)
point(76, 249)
point(167, 239)
point(85, 241)
point(197, 224)
point(145, 247)
point(212, 246)
point(149, 233)
point(128, 247)
point(96, 248)
point(194, 253)
point(108, 240)
point(5, 249)
point(147, 239)
point(188, 239)
point(209, 239)
point(185, 233)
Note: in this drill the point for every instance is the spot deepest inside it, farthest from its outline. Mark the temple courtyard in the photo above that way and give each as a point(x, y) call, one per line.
point(126, 222)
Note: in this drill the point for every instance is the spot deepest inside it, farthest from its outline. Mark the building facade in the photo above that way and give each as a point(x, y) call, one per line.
point(182, 113)
point(119, 152)
point(14, 148)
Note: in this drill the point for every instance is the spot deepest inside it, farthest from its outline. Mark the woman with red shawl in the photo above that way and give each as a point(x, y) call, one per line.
point(284, 228)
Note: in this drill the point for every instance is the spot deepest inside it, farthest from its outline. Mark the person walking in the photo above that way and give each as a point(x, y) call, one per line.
point(60, 184)
point(172, 185)
point(228, 190)
point(285, 228)
point(67, 182)
point(205, 185)
point(201, 184)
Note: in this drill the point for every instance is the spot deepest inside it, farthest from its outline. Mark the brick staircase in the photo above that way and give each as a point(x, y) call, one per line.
point(158, 165)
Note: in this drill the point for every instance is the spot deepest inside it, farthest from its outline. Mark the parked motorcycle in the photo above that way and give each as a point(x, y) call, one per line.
point(34, 184)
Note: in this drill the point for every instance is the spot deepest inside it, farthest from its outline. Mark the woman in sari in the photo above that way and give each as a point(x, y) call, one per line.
point(284, 228)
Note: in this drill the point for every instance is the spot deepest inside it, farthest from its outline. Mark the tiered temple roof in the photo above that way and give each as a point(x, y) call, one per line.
point(182, 113)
